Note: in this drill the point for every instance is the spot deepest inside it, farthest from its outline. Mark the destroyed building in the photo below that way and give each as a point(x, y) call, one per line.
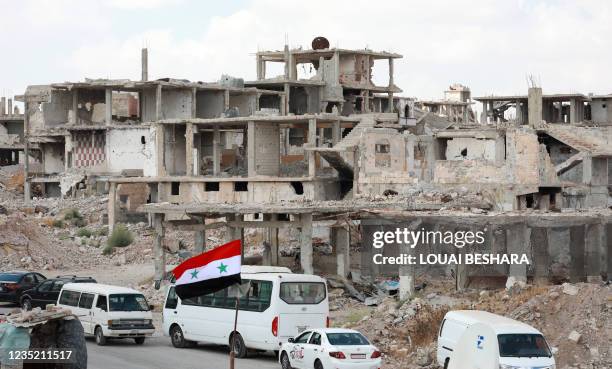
point(11, 133)
point(321, 145)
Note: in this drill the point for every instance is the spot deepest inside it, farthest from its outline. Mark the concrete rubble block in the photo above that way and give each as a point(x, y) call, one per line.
point(570, 289)
point(574, 337)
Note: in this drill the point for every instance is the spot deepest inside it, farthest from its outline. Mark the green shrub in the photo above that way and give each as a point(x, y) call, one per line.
point(102, 231)
point(121, 237)
point(107, 250)
point(72, 214)
point(79, 222)
point(58, 223)
point(84, 232)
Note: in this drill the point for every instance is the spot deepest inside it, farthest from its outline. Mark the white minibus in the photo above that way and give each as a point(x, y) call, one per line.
point(109, 311)
point(279, 305)
point(479, 339)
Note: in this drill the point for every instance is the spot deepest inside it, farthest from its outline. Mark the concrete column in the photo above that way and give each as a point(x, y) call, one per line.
point(144, 59)
point(194, 101)
point(226, 100)
point(189, 149)
point(577, 254)
point(336, 132)
point(271, 240)
point(534, 107)
point(26, 152)
point(539, 242)
point(3, 106)
point(75, 107)
point(112, 206)
point(158, 248)
point(518, 243)
point(158, 103)
point(342, 242)
point(199, 238)
point(306, 252)
point(252, 169)
point(593, 242)
point(10, 107)
point(312, 142)
point(519, 112)
point(108, 105)
point(260, 73)
point(217, 151)
point(160, 148)
point(485, 112)
point(572, 118)
point(287, 90)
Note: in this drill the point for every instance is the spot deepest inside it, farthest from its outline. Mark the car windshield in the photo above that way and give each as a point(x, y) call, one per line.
point(127, 302)
point(523, 345)
point(347, 339)
point(302, 292)
point(10, 277)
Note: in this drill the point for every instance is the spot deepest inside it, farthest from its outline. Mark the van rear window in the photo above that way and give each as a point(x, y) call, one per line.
point(302, 293)
point(523, 345)
point(70, 298)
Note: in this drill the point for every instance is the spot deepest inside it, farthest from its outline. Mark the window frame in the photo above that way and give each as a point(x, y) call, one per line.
point(302, 303)
point(93, 297)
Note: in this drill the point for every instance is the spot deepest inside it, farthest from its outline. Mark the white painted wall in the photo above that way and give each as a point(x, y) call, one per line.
point(126, 151)
point(476, 149)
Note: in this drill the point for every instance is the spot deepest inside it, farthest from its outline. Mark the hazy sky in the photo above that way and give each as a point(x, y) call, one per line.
point(488, 45)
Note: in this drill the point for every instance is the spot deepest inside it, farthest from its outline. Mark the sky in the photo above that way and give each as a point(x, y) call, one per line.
point(492, 46)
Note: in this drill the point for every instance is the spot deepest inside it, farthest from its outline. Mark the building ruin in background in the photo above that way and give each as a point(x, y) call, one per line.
point(322, 144)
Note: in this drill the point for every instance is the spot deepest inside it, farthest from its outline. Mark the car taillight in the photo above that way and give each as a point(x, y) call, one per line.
point(328, 322)
point(337, 354)
point(11, 286)
point(275, 326)
point(376, 355)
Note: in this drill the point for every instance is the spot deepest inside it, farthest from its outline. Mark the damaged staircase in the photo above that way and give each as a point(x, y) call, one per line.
point(581, 139)
point(337, 155)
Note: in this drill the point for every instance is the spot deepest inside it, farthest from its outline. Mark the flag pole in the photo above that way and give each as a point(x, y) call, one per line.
point(232, 354)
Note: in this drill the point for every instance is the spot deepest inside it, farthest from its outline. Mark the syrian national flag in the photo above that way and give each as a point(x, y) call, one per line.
point(209, 272)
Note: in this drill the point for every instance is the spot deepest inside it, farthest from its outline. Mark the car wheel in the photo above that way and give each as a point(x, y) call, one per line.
point(240, 350)
point(285, 363)
point(26, 304)
point(100, 339)
point(318, 364)
point(177, 337)
point(139, 340)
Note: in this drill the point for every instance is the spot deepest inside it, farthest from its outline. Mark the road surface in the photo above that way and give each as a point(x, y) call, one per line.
point(158, 353)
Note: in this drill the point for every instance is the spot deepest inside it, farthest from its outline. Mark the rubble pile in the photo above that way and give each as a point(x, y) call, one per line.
point(575, 318)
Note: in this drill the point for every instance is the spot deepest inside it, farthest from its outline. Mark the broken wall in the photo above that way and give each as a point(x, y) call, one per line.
point(210, 104)
point(176, 103)
point(128, 149)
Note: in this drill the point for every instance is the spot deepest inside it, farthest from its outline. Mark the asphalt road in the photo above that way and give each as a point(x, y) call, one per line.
point(158, 353)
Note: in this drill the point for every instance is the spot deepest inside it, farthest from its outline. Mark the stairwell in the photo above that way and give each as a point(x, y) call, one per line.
point(581, 139)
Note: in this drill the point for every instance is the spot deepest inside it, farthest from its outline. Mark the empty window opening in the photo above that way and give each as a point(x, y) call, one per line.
point(383, 148)
point(256, 216)
point(211, 186)
point(298, 187)
point(529, 201)
point(241, 186)
point(283, 217)
point(143, 141)
point(176, 188)
point(123, 199)
point(464, 152)
point(296, 137)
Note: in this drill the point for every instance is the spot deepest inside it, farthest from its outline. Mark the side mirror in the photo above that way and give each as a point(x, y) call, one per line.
point(291, 340)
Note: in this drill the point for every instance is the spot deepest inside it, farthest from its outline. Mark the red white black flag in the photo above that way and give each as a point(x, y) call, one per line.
point(209, 272)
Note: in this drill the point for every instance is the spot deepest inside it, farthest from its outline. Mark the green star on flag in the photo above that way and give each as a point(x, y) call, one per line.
point(222, 268)
point(194, 274)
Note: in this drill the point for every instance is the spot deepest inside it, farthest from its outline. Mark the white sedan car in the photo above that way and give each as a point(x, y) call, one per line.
point(329, 348)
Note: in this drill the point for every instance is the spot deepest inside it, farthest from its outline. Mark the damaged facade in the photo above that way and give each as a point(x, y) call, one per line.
point(320, 144)
point(11, 133)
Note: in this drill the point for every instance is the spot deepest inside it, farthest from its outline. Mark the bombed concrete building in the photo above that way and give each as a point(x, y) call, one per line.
point(323, 148)
point(11, 133)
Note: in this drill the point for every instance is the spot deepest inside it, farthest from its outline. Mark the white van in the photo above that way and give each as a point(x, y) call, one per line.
point(479, 339)
point(108, 311)
point(279, 305)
